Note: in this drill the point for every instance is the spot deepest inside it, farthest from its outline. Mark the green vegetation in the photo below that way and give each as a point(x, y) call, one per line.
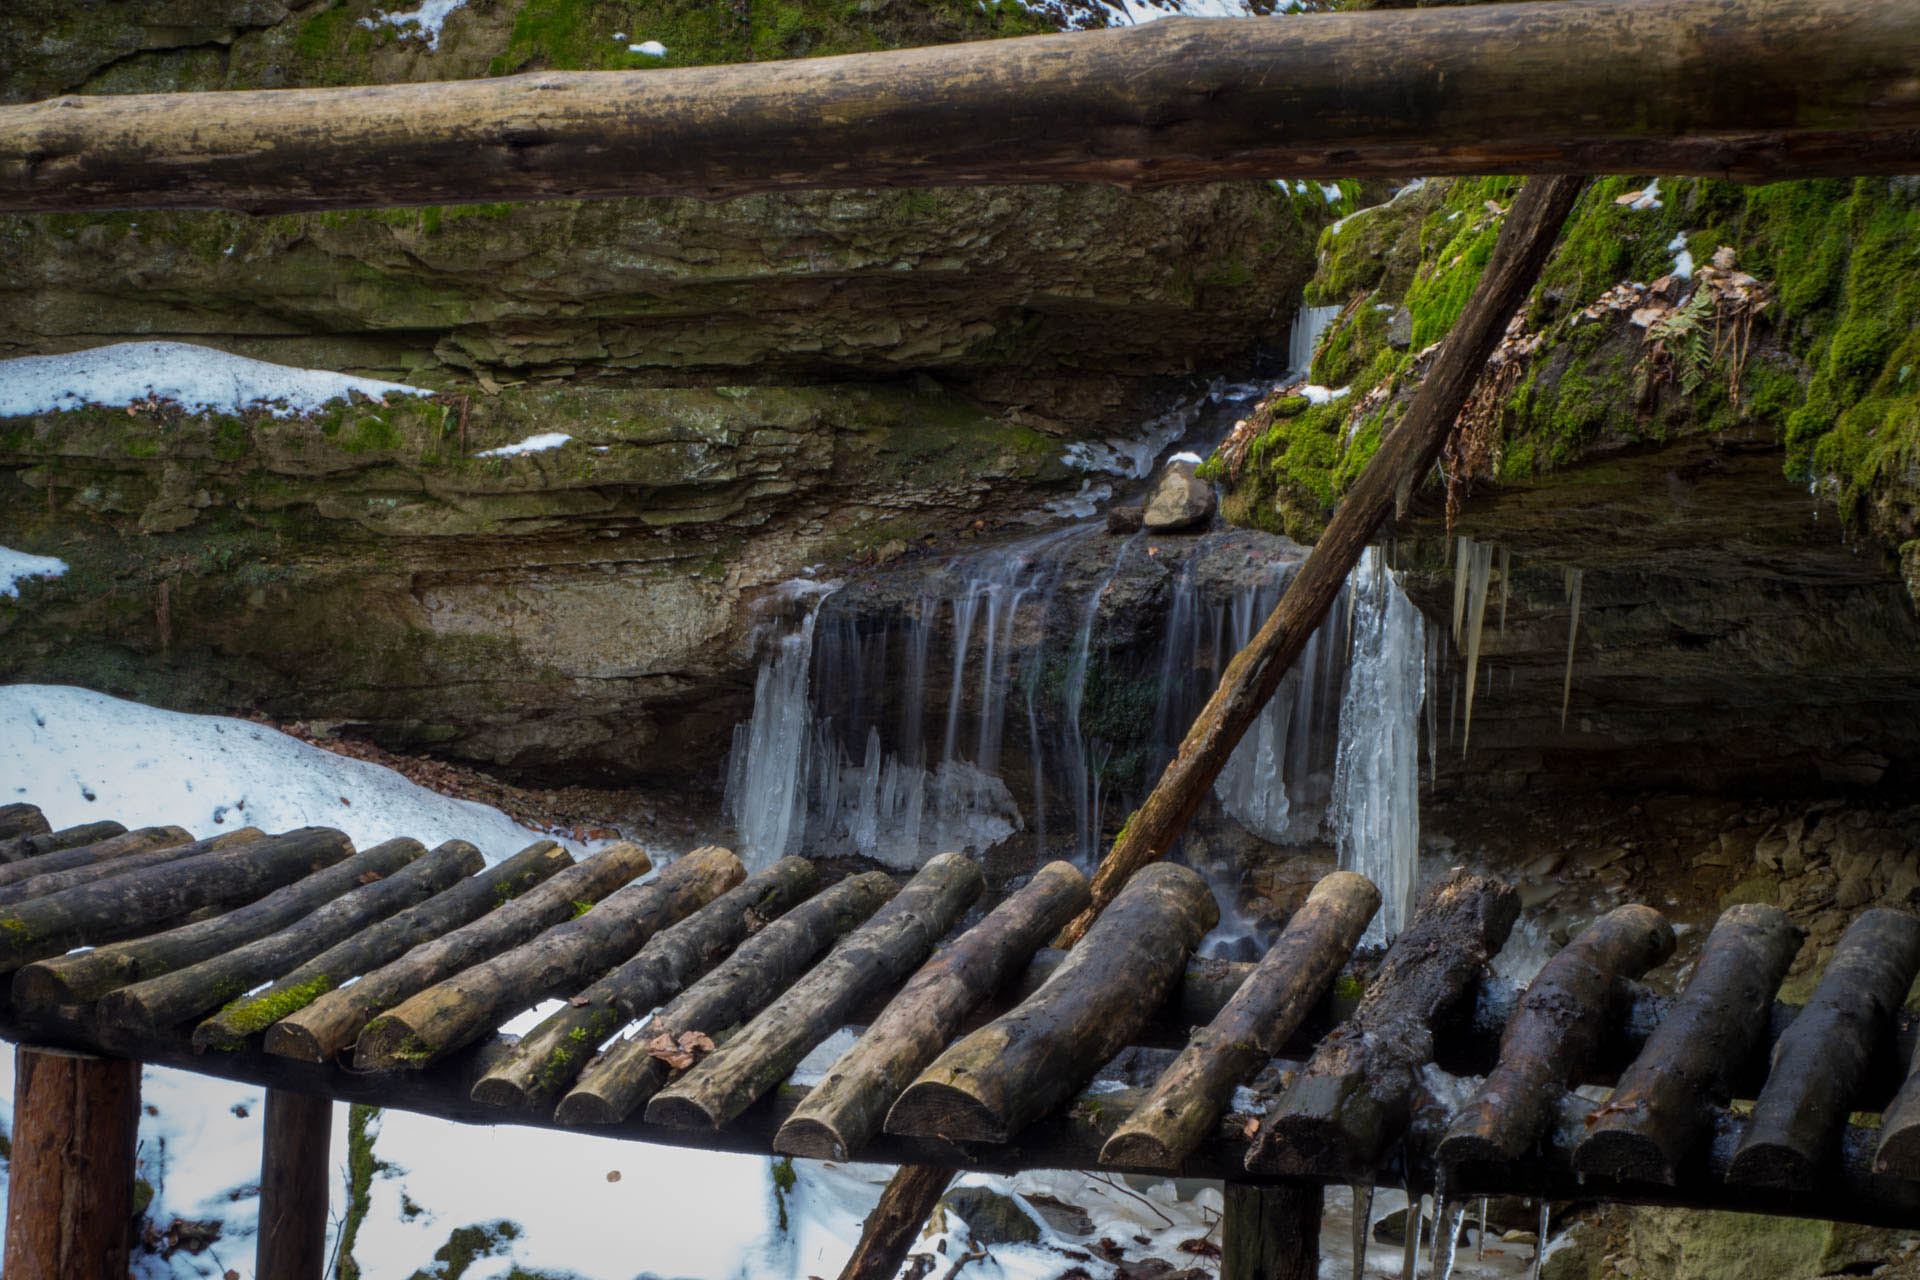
point(362, 1128)
point(784, 1180)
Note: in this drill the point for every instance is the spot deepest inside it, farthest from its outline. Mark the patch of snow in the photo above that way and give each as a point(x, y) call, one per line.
point(194, 378)
point(1083, 505)
point(83, 756)
point(427, 19)
point(1682, 258)
point(532, 444)
point(652, 48)
point(1647, 198)
point(1187, 456)
point(1322, 395)
point(1331, 192)
point(16, 566)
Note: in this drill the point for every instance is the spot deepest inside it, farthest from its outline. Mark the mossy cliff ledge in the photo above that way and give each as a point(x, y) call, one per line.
point(749, 387)
point(1710, 408)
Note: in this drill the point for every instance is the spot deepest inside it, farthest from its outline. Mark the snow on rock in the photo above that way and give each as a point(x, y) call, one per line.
point(197, 379)
point(651, 48)
point(426, 21)
point(84, 756)
point(532, 444)
point(16, 566)
point(1682, 257)
point(1321, 395)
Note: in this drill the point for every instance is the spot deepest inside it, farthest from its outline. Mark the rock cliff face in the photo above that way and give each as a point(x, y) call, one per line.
point(749, 387)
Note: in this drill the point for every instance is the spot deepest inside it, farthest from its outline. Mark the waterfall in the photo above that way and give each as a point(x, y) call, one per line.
point(1308, 324)
point(770, 750)
point(1376, 781)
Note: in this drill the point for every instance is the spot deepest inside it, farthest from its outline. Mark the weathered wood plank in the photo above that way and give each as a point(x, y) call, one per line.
point(76, 1120)
point(892, 943)
point(92, 975)
point(1271, 1232)
point(991, 1084)
point(98, 851)
point(628, 1073)
point(548, 1058)
point(909, 1200)
point(129, 851)
point(330, 1023)
point(1556, 1029)
point(376, 945)
point(128, 905)
point(469, 1005)
point(33, 845)
point(1302, 963)
point(1354, 1095)
point(851, 1103)
point(1659, 1110)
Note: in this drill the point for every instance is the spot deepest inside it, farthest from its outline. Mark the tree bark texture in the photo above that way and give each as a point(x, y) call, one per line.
point(628, 1073)
point(129, 859)
point(295, 1183)
point(1271, 1233)
point(330, 1023)
point(1819, 1063)
point(991, 1084)
point(190, 992)
point(390, 938)
point(87, 855)
point(1719, 87)
point(1354, 1095)
point(893, 1226)
point(461, 1009)
point(1898, 1150)
point(76, 1119)
point(1191, 1094)
point(548, 1058)
point(1404, 457)
point(129, 905)
point(1659, 1110)
point(33, 845)
point(18, 821)
point(850, 1103)
point(99, 973)
point(876, 957)
point(1568, 1008)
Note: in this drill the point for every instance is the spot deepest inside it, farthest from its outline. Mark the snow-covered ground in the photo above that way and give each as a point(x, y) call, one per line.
point(194, 378)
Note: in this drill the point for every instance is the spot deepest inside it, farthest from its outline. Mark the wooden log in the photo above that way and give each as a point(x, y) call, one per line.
point(158, 855)
point(330, 1023)
point(1568, 1008)
point(876, 957)
point(20, 820)
point(850, 1104)
point(1605, 86)
point(1403, 460)
point(1271, 1232)
point(890, 1230)
point(547, 1058)
point(1659, 1110)
point(991, 1084)
point(32, 846)
point(1190, 1095)
point(76, 1119)
point(128, 905)
point(92, 975)
point(627, 1074)
point(460, 1010)
point(233, 1026)
point(295, 1182)
point(1355, 1092)
point(86, 855)
point(1819, 1063)
point(1898, 1150)
point(173, 998)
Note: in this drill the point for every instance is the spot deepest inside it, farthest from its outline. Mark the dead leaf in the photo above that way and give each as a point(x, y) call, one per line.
point(368, 877)
point(613, 1175)
point(579, 1002)
point(1200, 1245)
point(1629, 197)
point(663, 1048)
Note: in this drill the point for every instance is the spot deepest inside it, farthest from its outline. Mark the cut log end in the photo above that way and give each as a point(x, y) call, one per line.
point(389, 1044)
point(811, 1139)
point(586, 1108)
point(1622, 1156)
point(500, 1091)
point(1133, 1149)
point(1294, 1145)
point(675, 1111)
point(291, 1040)
point(1768, 1164)
point(1469, 1148)
point(1899, 1154)
point(936, 1109)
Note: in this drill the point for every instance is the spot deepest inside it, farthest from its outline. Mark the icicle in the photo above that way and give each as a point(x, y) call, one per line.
point(1506, 581)
point(1480, 1242)
point(1574, 577)
point(1429, 679)
point(1464, 553)
point(1453, 707)
point(1540, 1243)
point(1362, 1225)
point(1410, 1255)
point(1447, 1219)
point(1482, 558)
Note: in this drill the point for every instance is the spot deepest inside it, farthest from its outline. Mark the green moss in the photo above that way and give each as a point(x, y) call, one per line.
point(784, 1181)
point(581, 908)
point(467, 1245)
point(244, 1018)
point(362, 1128)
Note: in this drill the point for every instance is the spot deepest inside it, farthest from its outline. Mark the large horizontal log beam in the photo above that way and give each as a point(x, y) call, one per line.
point(1754, 89)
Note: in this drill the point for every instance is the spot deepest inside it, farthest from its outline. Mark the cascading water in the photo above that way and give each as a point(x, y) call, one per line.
point(1376, 779)
point(1308, 324)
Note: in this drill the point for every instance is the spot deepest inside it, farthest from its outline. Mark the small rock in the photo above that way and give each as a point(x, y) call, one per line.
point(1124, 519)
point(1180, 500)
point(1400, 329)
point(1852, 891)
point(991, 1218)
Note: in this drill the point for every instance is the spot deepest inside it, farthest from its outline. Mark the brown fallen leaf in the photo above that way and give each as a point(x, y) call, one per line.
point(613, 1175)
point(663, 1048)
point(368, 877)
point(1200, 1246)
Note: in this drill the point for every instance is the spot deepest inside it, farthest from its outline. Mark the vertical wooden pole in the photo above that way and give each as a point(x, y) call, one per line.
point(293, 1187)
point(895, 1222)
point(1271, 1233)
point(70, 1191)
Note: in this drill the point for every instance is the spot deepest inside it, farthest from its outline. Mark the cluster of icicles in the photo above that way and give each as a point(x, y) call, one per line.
point(1449, 1216)
point(1477, 566)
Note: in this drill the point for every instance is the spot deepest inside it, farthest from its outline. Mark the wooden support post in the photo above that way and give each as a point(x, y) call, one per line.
point(895, 1222)
point(294, 1187)
point(76, 1118)
point(1532, 225)
point(1271, 1233)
